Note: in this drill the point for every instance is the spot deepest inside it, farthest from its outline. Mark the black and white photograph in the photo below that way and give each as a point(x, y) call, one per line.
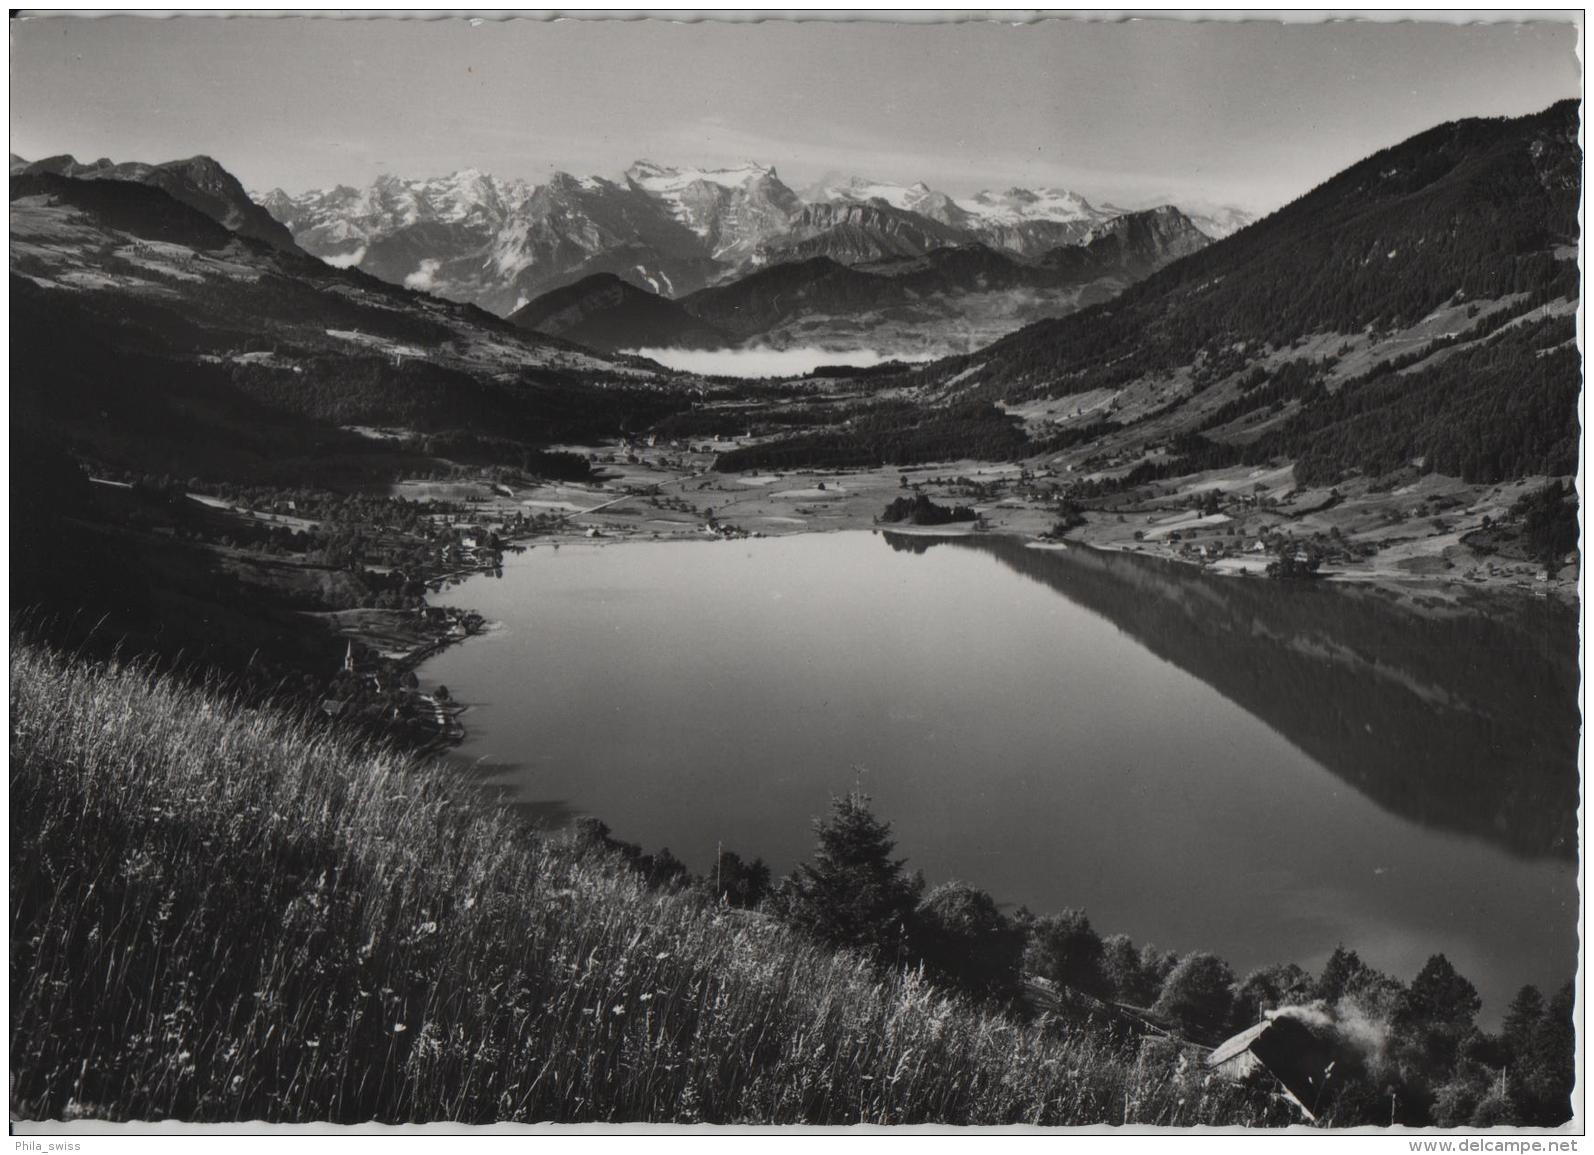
point(1006, 573)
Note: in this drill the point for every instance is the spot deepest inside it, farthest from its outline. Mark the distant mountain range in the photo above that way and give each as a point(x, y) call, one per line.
point(159, 325)
point(501, 243)
point(893, 300)
point(1415, 313)
point(198, 182)
point(685, 234)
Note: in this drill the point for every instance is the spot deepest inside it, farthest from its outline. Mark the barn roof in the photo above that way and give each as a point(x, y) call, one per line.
point(1241, 1042)
point(1287, 1049)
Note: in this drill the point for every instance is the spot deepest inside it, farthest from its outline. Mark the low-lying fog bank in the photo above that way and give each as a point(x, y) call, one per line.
point(763, 362)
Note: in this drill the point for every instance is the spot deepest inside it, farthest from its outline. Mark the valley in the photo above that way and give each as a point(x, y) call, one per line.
point(172, 336)
point(1238, 441)
point(1218, 570)
point(1388, 538)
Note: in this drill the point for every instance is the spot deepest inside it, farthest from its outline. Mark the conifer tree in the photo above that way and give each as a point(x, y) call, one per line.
point(1342, 973)
point(854, 893)
point(1436, 1014)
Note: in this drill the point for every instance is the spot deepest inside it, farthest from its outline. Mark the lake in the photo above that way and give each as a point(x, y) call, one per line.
point(760, 362)
point(1232, 764)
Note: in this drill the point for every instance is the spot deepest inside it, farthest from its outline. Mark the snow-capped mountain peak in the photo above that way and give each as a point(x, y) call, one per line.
point(1220, 221)
point(474, 236)
point(1019, 205)
point(832, 190)
point(664, 180)
point(918, 198)
point(1215, 220)
point(732, 209)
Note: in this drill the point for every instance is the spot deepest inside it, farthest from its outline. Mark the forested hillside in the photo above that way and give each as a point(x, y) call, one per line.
point(148, 336)
point(1473, 209)
point(1413, 311)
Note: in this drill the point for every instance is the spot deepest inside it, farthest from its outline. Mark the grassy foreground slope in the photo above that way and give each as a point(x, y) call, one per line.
point(219, 913)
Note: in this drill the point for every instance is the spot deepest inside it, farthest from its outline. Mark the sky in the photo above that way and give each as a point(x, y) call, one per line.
point(1249, 113)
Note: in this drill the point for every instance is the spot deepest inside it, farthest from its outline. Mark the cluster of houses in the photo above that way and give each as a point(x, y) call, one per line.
point(726, 531)
point(474, 546)
point(1208, 552)
point(630, 446)
point(450, 623)
point(652, 441)
point(377, 688)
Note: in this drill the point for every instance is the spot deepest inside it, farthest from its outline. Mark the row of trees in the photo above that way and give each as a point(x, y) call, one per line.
point(1420, 1048)
point(892, 432)
point(920, 510)
point(1548, 517)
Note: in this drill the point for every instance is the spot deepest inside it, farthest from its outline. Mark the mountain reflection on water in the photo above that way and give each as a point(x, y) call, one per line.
point(1462, 719)
point(1202, 762)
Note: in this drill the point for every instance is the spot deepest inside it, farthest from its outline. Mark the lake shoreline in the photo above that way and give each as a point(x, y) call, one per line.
point(671, 492)
point(609, 645)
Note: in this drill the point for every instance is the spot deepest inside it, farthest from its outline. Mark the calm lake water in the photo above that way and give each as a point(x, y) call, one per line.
point(763, 362)
point(1197, 761)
